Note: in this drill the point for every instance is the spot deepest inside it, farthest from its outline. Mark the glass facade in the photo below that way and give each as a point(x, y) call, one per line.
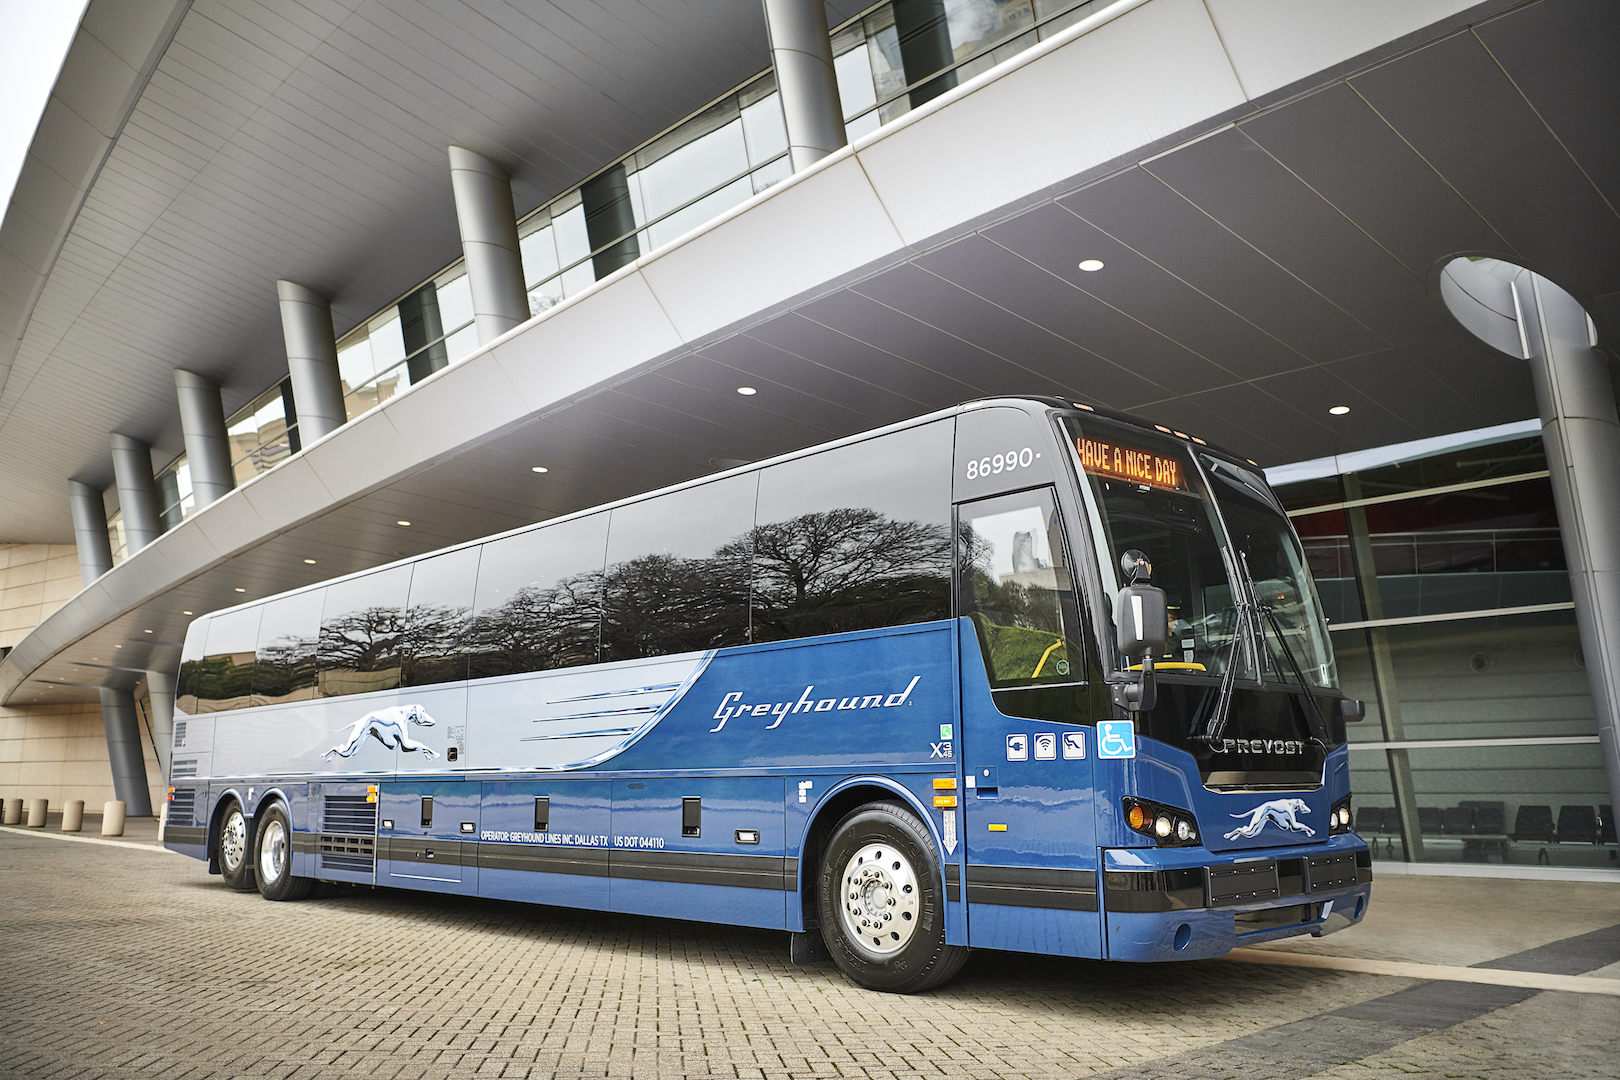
point(1449, 603)
point(888, 60)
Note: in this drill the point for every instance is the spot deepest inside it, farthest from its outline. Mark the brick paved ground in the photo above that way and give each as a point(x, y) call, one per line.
point(120, 962)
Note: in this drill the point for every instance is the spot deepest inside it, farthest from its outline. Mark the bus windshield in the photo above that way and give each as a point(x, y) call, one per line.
point(1148, 493)
point(1271, 553)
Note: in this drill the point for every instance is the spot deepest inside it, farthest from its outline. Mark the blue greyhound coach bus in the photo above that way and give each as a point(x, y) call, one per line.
point(1023, 674)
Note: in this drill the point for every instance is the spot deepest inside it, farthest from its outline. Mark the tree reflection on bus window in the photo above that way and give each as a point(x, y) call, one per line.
point(538, 604)
point(855, 537)
point(677, 571)
point(363, 632)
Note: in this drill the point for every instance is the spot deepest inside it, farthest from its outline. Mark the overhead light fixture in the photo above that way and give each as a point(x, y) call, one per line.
point(146, 631)
point(241, 590)
point(538, 468)
point(185, 613)
point(118, 646)
point(1091, 266)
point(1339, 410)
point(310, 562)
point(747, 391)
point(401, 521)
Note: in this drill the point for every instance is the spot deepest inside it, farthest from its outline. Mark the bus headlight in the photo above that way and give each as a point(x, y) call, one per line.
point(1169, 826)
point(1339, 817)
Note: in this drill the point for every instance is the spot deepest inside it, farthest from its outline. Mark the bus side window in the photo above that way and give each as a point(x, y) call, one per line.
point(677, 571)
point(1013, 581)
point(538, 603)
point(362, 632)
point(435, 650)
point(191, 667)
point(225, 680)
point(856, 537)
point(285, 667)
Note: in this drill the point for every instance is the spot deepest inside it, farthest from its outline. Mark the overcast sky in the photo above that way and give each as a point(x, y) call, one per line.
point(34, 37)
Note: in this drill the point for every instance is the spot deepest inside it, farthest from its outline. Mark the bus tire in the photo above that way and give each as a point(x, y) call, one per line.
point(881, 903)
point(273, 847)
point(235, 848)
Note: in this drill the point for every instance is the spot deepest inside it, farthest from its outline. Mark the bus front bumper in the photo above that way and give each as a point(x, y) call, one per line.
point(1190, 904)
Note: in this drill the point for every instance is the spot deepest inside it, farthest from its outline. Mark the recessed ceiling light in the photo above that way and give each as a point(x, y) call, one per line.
point(1091, 266)
point(401, 521)
point(185, 613)
point(1339, 410)
point(311, 562)
point(747, 391)
point(146, 631)
point(538, 468)
point(241, 590)
point(118, 646)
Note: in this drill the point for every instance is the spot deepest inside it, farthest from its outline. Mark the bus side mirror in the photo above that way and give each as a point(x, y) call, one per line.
point(1141, 621)
point(1352, 709)
point(1142, 630)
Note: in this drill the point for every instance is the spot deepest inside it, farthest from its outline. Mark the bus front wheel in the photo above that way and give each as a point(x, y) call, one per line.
point(235, 849)
point(274, 847)
point(879, 896)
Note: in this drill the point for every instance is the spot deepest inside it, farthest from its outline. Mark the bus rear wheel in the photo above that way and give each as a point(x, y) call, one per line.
point(880, 901)
point(235, 849)
point(274, 847)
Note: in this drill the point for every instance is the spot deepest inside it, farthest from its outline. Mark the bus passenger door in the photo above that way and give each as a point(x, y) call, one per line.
point(1027, 751)
point(427, 835)
point(546, 842)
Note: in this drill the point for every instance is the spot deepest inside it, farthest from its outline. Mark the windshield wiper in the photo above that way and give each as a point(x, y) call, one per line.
point(1242, 629)
point(1318, 722)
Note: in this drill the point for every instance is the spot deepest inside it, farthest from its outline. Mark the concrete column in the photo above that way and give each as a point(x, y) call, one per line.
point(90, 530)
point(124, 751)
point(1581, 431)
point(924, 34)
point(137, 492)
point(208, 448)
point(610, 221)
point(802, 54)
point(489, 240)
point(160, 708)
point(306, 323)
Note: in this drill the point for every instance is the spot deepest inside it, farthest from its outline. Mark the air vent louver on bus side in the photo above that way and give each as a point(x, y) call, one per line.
point(347, 841)
point(182, 806)
point(183, 768)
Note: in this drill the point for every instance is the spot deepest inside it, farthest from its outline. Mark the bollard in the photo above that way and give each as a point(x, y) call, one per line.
point(112, 818)
point(73, 815)
point(12, 815)
point(36, 813)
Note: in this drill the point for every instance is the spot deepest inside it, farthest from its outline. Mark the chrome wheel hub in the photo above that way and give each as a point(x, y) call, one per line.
point(880, 901)
point(273, 851)
point(233, 841)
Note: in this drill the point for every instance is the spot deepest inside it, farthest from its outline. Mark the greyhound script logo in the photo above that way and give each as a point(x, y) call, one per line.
point(733, 704)
point(387, 726)
point(1280, 812)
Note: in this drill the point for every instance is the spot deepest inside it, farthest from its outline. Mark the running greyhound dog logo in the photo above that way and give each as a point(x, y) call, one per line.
point(387, 726)
point(1280, 812)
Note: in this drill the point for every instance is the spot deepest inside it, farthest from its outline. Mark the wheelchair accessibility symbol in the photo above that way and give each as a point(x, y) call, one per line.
point(1116, 739)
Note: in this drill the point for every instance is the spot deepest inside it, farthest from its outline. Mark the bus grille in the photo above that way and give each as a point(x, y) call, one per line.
point(357, 854)
point(350, 814)
point(182, 806)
